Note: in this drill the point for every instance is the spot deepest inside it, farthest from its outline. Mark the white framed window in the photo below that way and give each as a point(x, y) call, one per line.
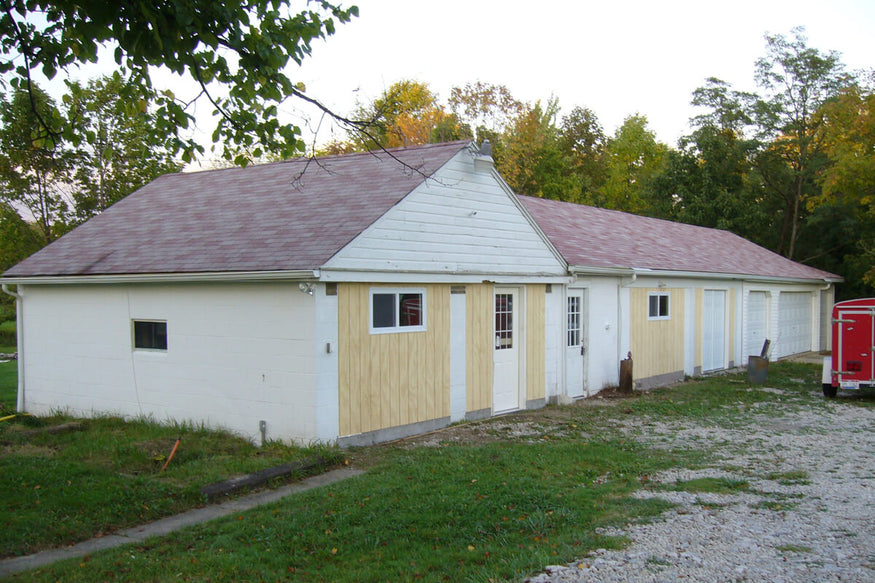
point(149, 334)
point(573, 321)
point(658, 306)
point(397, 310)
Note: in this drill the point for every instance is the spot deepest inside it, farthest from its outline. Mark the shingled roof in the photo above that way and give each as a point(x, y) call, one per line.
point(286, 216)
point(589, 237)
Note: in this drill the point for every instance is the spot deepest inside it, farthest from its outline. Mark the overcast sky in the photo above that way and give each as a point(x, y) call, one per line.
point(616, 57)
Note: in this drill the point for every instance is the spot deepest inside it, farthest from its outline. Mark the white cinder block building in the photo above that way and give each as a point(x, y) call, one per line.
point(365, 297)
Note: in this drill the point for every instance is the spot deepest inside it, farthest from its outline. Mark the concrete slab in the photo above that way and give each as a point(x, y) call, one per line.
point(172, 523)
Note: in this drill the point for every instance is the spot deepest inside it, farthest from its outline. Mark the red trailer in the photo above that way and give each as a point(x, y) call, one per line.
point(851, 365)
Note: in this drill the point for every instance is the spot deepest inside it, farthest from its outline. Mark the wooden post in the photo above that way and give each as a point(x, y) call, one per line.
point(626, 385)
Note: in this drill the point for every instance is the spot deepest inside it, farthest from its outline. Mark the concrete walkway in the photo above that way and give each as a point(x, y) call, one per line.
point(172, 523)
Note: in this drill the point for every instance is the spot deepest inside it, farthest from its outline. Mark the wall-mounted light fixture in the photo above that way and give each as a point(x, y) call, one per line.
point(306, 287)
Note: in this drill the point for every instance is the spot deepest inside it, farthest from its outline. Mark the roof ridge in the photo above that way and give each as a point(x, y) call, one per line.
point(305, 159)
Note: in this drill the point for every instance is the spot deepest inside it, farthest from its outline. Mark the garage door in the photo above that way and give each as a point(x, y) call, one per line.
point(794, 323)
point(756, 326)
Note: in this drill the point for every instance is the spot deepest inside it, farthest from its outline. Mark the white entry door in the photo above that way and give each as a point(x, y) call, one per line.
point(714, 331)
point(506, 378)
point(575, 343)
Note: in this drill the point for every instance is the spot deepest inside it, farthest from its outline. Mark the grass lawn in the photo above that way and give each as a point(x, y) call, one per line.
point(60, 488)
point(8, 386)
point(494, 507)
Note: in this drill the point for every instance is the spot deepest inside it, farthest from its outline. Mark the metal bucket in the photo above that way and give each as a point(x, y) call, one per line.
point(757, 369)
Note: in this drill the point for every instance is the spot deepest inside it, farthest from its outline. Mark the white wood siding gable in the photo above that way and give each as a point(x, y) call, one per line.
point(459, 221)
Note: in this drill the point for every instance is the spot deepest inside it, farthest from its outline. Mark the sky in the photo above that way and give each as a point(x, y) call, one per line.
point(617, 58)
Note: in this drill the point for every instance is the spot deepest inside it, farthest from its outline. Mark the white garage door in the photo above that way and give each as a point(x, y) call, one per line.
point(794, 323)
point(756, 326)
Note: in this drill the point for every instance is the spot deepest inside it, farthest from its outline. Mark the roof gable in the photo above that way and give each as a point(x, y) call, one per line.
point(600, 238)
point(285, 216)
point(463, 220)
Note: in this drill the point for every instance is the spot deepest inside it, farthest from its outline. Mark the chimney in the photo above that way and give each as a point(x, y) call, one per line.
point(483, 161)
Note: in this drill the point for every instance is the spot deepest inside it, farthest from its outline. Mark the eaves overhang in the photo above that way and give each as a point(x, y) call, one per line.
point(192, 277)
point(579, 270)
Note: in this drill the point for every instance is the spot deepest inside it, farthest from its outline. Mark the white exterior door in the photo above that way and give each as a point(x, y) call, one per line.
point(714, 331)
point(506, 378)
point(794, 323)
point(575, 343)
point(756, 325)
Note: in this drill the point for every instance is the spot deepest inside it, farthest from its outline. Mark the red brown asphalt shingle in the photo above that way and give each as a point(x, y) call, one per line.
point(295, 215)
point(594, 237)
point(261, 218)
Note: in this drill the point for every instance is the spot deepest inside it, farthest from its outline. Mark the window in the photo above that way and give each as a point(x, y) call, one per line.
point(397, 310)
point(503, 321)
point(658, 306)
point(150, 335)
point(574, 321)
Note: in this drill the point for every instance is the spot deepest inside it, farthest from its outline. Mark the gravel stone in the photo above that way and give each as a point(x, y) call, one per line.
point(807, 516)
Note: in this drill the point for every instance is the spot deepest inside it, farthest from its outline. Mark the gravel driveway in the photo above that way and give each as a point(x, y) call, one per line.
point(808, 514)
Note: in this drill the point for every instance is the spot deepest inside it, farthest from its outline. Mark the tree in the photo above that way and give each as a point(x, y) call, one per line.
point(237, 52)
point(35, 163)
point(847, 199)
point(847, 131)
point(711, 179)
point(633, 159)
point(121, 147)
point(531, 158)
point(18, 238)
point(796, 80)
point(489, 110)
point(582, 138)
point(407, 113)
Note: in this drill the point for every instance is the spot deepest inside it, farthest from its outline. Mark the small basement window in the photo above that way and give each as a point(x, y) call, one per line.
point(658, 306)
point(397, 310)
point(150, 335)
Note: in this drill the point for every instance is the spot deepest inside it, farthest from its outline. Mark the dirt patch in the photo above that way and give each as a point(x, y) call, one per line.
point(26, 449)
point(531, 425)
point(157, 449)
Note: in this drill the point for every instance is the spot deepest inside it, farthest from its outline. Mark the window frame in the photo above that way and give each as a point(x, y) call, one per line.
point(153, 336)
point(397, 292)
point(659, 304)
point(574, 329)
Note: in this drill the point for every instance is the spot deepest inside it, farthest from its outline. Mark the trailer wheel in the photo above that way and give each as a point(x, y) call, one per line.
point(829, 391)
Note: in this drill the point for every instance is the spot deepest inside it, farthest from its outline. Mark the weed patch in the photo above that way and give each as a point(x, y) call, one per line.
point(790, 478)
point(711, 485)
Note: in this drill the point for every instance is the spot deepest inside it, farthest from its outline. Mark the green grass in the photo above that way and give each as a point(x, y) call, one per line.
point(8, 336)
point(790, 478)
point(476, 513)
point(468, 511)
point(711, 485)
point(66, 487)
point(8, 387)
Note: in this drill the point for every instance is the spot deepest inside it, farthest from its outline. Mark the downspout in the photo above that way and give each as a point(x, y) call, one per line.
point(19, 327)
point(620, 287)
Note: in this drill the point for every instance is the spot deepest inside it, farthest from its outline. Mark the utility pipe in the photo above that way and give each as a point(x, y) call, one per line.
point(19, 328)
point(620, 287)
